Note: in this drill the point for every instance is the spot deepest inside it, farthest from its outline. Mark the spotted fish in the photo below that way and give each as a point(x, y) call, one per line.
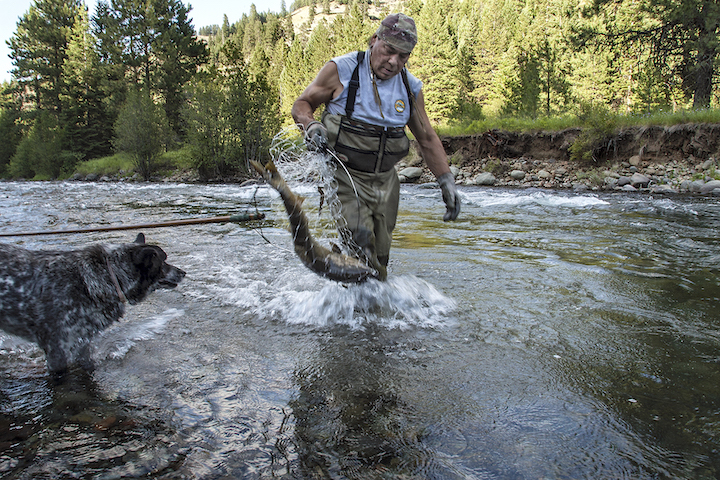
point(326, 262)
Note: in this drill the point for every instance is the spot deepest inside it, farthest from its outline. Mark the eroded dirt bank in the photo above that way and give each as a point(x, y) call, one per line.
point(671, 159)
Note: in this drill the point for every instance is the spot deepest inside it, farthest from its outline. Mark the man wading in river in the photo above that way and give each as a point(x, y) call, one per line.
point(369, 98)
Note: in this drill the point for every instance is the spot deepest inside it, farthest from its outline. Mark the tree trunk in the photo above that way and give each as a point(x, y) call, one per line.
point(703, 80)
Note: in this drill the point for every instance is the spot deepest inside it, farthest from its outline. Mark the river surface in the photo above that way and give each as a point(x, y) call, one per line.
point(544, 335)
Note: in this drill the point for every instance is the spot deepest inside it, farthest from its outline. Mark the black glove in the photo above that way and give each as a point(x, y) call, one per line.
point(316, 137)
point(449, 195)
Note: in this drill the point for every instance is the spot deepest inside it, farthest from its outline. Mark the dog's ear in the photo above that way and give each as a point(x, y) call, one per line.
point(140, 239)
point(149, 256)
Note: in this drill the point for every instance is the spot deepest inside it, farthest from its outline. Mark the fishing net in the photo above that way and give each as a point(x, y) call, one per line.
point(299, 166)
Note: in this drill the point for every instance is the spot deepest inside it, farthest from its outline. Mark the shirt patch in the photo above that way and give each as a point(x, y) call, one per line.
point(399, 106)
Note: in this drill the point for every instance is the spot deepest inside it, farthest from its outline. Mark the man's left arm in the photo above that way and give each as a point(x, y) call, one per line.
point(435, 158)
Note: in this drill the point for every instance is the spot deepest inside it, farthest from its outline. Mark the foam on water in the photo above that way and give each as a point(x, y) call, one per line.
point(401, 302)
point(513, 199)
point(116, 342)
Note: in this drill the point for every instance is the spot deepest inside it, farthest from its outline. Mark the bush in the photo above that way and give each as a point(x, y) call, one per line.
point(142, 130)
point(596, 139)
point(40, 154)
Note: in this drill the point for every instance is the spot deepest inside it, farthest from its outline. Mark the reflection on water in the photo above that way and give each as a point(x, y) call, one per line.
point(543, 335)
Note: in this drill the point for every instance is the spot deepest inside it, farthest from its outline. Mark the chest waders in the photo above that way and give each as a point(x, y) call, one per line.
point(371, 196)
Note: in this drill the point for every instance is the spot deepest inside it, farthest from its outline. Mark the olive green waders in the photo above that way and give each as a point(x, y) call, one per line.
point(371, 214)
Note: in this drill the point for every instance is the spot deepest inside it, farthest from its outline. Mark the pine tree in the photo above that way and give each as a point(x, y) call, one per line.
point(435, 60)
point(39, 49)
point(88, 126)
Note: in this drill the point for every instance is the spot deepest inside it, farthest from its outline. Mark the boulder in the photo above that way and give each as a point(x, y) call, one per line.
point(638, 180)
point(484, 178)
point(710, 186)
point(517, 174)
point(622, 181)
point(410, 174)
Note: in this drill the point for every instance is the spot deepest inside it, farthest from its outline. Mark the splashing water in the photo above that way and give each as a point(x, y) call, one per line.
point(118, 341)
point(400, 302)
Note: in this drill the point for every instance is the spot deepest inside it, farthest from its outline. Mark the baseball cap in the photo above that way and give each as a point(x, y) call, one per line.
point(398, 30)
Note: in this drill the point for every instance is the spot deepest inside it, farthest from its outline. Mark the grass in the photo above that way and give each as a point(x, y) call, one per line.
point(112, 165)
point(122, 164)
point(586, 116)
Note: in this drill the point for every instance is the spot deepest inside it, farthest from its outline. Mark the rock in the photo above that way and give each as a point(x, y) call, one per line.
point(622, 181)
point(663, 189)
point(485, 178)
point(707, 164)
point(634, 160)
point(560, 171)
point(710, 186)
point(696, 186)
point(455, 171)
point(544, 174)
point(628, 188)
point(517, 174)
point(410, 174)
point(610, 182)
point(639, 180)
point(92, 177)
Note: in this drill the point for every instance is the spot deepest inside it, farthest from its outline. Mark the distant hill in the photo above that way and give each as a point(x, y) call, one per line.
point(301, 15)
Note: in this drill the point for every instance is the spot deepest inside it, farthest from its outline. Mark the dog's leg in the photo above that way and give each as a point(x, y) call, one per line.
point(56, 357)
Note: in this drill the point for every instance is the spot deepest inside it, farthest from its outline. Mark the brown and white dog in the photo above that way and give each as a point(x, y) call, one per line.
point(61, 299)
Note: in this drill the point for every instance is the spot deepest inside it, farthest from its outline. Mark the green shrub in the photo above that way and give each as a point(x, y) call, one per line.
point(596, 139)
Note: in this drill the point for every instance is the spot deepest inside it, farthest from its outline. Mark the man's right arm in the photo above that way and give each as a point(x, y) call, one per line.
point(324, 88)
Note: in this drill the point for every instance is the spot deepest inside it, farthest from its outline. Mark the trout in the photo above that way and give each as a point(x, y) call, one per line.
point(328, 263)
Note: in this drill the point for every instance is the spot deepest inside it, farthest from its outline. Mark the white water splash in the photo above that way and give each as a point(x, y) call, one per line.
point(513, 199)
point(401, 302)
point(118, 341)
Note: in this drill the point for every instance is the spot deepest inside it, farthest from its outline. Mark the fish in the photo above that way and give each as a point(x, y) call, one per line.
point(326, 262)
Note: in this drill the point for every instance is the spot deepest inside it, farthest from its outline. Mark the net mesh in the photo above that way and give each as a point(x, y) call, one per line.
point(299, 166)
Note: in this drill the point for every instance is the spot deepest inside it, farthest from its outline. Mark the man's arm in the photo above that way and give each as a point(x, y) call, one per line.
point(430, 145)
point(435, 158)
point(324, 88)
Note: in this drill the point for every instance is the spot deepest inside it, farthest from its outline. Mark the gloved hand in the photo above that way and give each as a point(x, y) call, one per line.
point(316, 137)
point(449, 195)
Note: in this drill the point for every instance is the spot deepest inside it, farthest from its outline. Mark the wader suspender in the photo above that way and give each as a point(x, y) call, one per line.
point(355, 84)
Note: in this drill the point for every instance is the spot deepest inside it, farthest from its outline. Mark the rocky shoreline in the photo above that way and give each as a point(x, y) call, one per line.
point(661, 160)
point(664, 160)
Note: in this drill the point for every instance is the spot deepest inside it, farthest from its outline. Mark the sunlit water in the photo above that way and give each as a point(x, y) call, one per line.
point(542, 335)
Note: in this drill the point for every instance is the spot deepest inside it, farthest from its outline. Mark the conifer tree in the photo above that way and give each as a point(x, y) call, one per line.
point(435, 59)
point(39, 49)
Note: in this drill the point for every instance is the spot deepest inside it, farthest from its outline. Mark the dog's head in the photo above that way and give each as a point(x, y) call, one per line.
point(149, 270)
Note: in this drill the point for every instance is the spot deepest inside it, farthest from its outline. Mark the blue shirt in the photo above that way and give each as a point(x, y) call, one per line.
point(393, 94)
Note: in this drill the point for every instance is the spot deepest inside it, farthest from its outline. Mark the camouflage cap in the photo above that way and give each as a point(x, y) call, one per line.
point(398, 30)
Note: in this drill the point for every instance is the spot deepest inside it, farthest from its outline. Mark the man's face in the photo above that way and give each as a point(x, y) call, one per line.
point(386, 60)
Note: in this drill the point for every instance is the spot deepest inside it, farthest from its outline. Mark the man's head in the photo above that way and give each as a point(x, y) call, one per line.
point(391, 45)
point(398, 30)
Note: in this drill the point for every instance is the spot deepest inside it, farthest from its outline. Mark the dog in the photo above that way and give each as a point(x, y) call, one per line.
point(61, 299)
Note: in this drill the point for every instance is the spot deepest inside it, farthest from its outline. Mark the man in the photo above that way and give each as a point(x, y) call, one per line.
point(369, 98)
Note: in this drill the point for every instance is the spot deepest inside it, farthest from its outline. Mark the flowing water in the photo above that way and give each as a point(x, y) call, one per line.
point(544, 335)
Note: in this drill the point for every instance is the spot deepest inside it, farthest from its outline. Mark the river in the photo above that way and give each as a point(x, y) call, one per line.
point(544, 335)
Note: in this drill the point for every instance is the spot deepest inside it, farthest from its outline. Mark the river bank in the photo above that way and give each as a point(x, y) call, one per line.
point(677, 159)
point(654, 159)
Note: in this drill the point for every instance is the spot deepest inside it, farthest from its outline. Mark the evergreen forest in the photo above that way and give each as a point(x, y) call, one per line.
point(138, 77)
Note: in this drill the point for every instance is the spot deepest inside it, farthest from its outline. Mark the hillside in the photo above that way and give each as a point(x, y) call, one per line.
point(301, 15)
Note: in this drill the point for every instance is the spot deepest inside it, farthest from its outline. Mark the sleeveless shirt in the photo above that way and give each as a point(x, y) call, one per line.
point(393, 94)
